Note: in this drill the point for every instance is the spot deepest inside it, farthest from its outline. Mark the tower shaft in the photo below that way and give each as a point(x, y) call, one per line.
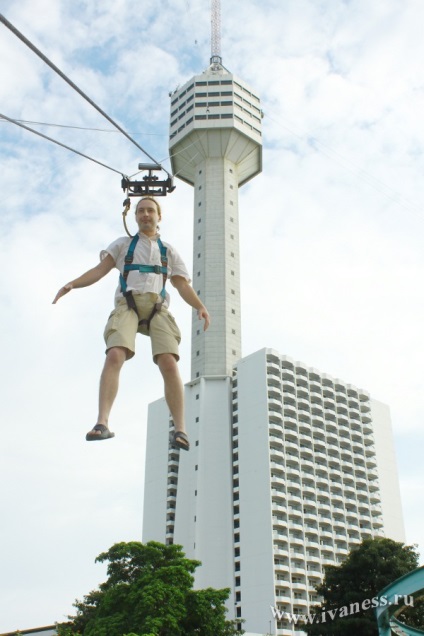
point(216, 267)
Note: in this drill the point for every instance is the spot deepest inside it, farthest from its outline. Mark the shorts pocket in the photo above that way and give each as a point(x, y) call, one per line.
point(174, 327)
point(113, 321)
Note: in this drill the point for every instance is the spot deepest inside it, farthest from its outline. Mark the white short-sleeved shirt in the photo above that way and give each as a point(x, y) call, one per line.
point(146, 252)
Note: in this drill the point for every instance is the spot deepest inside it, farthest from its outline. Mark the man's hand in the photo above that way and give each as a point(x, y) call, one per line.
point(203, 315)
point(62, 291)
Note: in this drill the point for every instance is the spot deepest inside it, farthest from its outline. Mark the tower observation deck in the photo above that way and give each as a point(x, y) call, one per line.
point(216, 146)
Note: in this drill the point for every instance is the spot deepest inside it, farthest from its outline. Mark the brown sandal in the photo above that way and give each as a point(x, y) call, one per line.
point(105, 433)
point(179, 435)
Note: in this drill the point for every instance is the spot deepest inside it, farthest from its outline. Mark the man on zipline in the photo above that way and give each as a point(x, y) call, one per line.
point(141, 304)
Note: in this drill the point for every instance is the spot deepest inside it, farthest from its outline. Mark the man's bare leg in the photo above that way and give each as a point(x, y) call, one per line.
point(109, 382)
point(174, 390)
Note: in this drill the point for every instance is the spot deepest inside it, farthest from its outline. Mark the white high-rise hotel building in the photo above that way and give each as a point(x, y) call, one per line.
point(289, 468)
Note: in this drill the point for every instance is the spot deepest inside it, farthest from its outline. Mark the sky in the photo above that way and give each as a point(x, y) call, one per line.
point(335, 221)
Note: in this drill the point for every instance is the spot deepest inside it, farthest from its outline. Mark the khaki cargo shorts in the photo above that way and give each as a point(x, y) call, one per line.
point(122, 327)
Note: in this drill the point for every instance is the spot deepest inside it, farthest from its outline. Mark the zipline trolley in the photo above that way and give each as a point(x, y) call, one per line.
point(150, 185)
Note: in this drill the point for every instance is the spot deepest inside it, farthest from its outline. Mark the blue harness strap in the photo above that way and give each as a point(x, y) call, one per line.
point(148, 269)
point(164, 268)
point(128, 260)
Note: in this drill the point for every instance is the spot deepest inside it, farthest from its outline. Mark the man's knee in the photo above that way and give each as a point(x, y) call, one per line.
point(116, 356)
point(167, 363)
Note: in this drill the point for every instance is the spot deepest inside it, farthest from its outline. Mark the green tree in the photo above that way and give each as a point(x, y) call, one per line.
point(366, 571)
point(149, 592)
point(413, 617)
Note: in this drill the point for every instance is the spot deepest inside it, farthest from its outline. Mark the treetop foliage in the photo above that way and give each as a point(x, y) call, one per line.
point(367, 570)
point(149, 592)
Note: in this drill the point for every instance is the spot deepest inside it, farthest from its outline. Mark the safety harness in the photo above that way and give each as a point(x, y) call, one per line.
point(144, 269)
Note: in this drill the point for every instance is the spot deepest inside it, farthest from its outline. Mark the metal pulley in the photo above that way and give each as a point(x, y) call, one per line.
point(150, 184)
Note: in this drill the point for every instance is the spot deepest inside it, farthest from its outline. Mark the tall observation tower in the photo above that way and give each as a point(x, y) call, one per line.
point(289, 468)
point(215, 146)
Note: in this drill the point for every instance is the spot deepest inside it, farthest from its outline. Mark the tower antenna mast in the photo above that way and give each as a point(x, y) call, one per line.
point(216, 58)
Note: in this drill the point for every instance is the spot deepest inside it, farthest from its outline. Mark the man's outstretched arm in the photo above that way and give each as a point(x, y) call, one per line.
point(188, 294)
point(88, 278)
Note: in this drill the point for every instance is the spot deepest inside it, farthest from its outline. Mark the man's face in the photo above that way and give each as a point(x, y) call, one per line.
point(147, 216)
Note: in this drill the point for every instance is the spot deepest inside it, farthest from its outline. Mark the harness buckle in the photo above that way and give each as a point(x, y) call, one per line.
point(129, 259)
point(157, 269)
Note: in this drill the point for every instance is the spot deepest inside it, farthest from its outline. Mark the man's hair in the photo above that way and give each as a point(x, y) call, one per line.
point(154, 201)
